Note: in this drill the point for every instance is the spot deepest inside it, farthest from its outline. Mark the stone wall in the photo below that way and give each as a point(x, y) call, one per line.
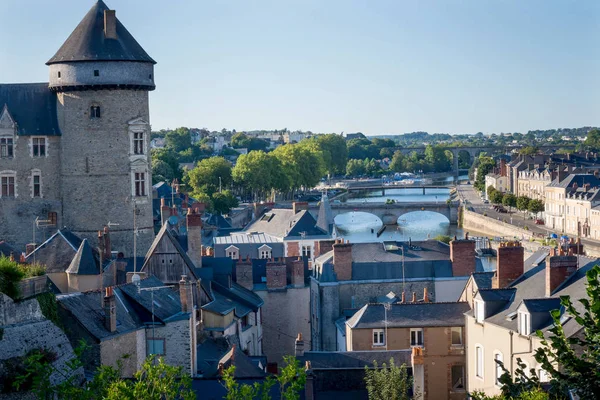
point(284, 315)
point(24, 328)
point(97, 156)
point(17, 214)
point(124, 348)
point(177, 342)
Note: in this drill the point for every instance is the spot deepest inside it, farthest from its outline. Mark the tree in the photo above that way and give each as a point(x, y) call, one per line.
point(388, 382)
point(334, 146)
point(169, 157)
point(535, 206)
point(436, 158)
point(179, 139)
point(291, 380)
point(156, 380)
point(209, 175)
point(484, 167)
point(398, 161)
point(260, 172)
point(355, 168)
point(161, 172)
point(301, 163)
point(574, 362)
point(592, 140)
point(529, 150)
point(497, 197)
point(490, 191)
point(242, 141)
point(509, 200)
point(522, 203)
point(223, 202)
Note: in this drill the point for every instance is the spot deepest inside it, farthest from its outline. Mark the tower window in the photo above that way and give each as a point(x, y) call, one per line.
point(150, 76)
point(37, 185)
point(138, 143)
point(59, 74)
point(7, 182)
point(6, 147)
point(140, 184)
point(95, 112)
point(96, 72)
point(39, 147)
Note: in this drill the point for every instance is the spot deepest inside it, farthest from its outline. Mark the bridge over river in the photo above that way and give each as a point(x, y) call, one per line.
point(389, 213)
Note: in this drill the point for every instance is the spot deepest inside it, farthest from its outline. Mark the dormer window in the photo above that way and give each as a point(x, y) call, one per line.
point(524, 323)
point(264, 252)
point(232, 252)
point(94, 112)
point(479, 311)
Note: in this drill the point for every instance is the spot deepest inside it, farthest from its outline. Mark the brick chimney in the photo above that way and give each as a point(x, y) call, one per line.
point(110, 24)
point(298, 206)
point(276, 275)
point(165, 211)
point(186, 294)
point(325, 246)
point(299, 348)
point(243, 274)
point(558, 269)
point(110, 312)
point(194, 236)
point(30, 248)
point(462, 255)
point(510, 264)
point(296, 270)
point(342, 260)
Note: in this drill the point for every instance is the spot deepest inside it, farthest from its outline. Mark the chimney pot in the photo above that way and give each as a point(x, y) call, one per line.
point(110, 315)
point(414, 297)
point(110, 24)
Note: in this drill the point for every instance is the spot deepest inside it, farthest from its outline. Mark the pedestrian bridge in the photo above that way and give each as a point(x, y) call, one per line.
point(389, 213)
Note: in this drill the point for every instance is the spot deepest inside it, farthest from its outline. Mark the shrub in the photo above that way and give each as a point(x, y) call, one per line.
point(443, 238)
point(10, 276)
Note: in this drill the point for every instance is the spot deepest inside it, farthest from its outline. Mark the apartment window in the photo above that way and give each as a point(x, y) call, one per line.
point(378, 337)
point(39, 147)
point(479, 311)
point(94, 112)
point(155, 346)
point(6, 147)
point(458, 377)
point(456, 333)
point(306, 251)
point(140, 184)
point(416, 337)
point(36, 185)
point(138, 143)
point(479, 361)
point(524, 324)
point(7, 182)
point(498, 367)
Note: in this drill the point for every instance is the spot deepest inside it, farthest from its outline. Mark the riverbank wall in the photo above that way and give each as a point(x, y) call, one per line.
point(492, 227)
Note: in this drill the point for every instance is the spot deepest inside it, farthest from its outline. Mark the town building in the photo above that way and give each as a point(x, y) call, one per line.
point(64, 142)
point(505, 315)
point(568, 203)
point(128, 323)
point(434, 329)
point(352, 275)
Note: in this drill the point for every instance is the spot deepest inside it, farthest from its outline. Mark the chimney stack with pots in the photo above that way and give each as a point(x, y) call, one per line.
point(342, 260)
point(558, 269)
point(194, 236)
point(462, 256)
point(110, 312)
point(299, 348)
point(510, 264)
point(298, 206)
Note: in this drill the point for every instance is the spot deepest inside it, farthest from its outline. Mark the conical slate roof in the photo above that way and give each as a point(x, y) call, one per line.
point(325, 217)
point(84, 262)
point(88, 42)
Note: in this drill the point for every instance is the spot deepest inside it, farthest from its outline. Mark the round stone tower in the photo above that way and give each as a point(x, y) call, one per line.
point(102, 76)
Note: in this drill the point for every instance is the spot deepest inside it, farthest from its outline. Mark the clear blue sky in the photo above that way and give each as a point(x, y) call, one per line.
point(376, 66)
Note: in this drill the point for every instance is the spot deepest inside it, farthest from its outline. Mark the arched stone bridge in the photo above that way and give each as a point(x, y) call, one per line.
point(389, 213)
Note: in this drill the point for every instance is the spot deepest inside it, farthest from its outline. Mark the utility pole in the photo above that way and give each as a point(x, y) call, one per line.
point(386, 308)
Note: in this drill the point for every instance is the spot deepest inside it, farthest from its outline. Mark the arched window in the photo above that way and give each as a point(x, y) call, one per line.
point(94, 111)
point(479, 361)
point(497, 367)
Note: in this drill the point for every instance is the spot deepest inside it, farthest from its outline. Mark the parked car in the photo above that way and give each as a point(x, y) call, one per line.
point(486, 201)
point(539, 221)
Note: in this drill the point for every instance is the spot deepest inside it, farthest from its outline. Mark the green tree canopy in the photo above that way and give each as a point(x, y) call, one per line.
point(336, 153)
point(260, 172)
point(535, 206)
point(522, 203)
point(223, 202)
point(209, 174)
point(593, 140)
point(509, 200)
point(484, 167)
point(302, 164)
point(390, 382)
point(242, 141)
point(179, 139)
point(169, 157)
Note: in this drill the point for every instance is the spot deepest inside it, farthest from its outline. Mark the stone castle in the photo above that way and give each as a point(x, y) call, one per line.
point(75, 152)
